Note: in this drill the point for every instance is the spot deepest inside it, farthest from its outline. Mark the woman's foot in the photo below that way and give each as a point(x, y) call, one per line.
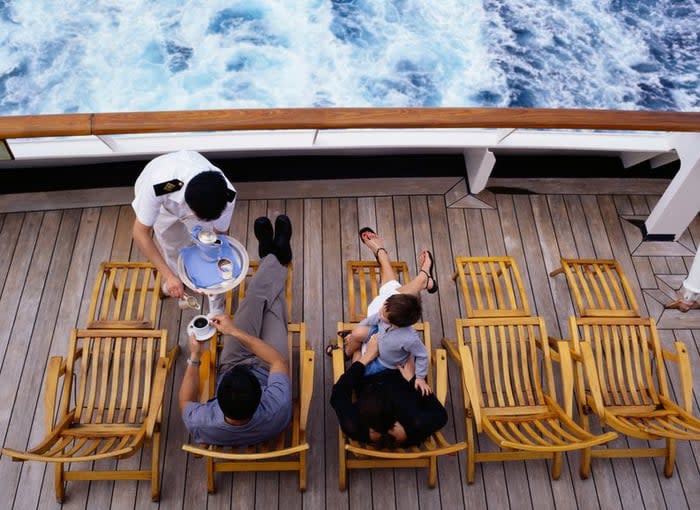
point(426, 267)
point(370, 239)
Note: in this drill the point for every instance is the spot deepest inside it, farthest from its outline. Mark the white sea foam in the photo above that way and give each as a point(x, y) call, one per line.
point(131, 55)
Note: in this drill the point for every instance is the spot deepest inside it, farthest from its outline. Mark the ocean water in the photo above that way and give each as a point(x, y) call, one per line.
point(146, 55)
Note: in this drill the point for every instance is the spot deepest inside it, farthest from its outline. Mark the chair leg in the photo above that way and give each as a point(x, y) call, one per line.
point(342, 466)
point(59, 483)
point(432, 472)
point(670, 457)
point(302, 471)
point(585, 469)
point(211, 482)
point(556, 466)
point(155, 467)
point(471, 452)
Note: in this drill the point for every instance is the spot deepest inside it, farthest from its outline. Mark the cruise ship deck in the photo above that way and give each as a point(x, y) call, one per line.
point(52, 244)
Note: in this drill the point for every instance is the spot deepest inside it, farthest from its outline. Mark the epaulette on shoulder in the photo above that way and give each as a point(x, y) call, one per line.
point(163, 188)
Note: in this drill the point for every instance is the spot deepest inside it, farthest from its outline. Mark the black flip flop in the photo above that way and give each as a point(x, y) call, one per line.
point(430, 274)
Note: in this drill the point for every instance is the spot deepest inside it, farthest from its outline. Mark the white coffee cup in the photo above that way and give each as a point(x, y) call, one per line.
point(201, 328)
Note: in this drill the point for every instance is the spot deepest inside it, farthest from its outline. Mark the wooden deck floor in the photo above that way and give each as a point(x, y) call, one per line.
point(50, 257)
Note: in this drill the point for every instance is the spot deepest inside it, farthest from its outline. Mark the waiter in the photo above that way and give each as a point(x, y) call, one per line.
point(173, 193)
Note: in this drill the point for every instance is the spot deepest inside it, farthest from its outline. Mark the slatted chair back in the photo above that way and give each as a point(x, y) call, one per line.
point(511, 362)
point(125, 295)
point(287, 451)
point(113, 375)
point(628, 360)
point(621, 377)
point(364, 281)
point(491, 287)
point(600, 288)
point(109, 405)
point(357, 455)
point(509, 393)
point(235, 296)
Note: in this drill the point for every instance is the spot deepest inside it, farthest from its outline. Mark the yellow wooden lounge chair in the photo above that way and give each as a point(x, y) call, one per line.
point(364, 279)
point(288, 451)
point(109, 405)
point(504, 362)
point(599, 287)
point(125, 295)
point(491, 287)
point(626, 387)
point(356, 455)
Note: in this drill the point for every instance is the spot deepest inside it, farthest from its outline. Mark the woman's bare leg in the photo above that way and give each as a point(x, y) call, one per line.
point(422, 280)
point(376, 244)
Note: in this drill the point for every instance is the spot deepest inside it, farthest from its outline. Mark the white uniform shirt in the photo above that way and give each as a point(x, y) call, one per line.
point(182, 165)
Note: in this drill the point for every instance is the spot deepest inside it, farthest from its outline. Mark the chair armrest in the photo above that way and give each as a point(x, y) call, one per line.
point(441, 375)
point(307, 386)
point(158, 386)
point(592, 377)
point(451, 347)
point(470, 386)
point(567, 376)
point(56, 369)
point(685, 371)
point(338, 364)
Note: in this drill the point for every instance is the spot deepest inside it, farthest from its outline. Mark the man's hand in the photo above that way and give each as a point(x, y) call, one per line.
point(225, 325)
point(195, 347)
point(423, 387)
point(398, 433)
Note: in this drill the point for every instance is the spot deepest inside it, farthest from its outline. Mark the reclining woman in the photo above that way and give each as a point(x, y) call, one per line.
point(385, 409)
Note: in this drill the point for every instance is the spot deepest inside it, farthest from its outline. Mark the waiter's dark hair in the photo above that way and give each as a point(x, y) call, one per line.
point(207, 195)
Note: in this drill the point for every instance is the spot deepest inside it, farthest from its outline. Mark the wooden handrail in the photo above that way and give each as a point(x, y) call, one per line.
point(30, 126)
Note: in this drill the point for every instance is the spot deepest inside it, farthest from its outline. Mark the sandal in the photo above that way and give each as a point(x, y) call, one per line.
point(365, 230)
point(332, 347)
point(434, 288)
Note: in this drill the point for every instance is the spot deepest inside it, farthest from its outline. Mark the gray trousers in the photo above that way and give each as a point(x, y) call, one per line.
point(262, 313)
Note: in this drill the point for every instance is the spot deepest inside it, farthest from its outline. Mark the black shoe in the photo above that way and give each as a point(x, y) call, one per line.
point(280, 245)
point(263, 233)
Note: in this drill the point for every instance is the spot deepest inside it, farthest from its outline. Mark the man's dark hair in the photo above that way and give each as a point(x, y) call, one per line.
point(402, 309)
point(238, 394)
point(207, 194)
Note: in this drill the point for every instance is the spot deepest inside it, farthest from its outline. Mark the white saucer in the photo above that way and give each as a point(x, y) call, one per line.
point(201, 334)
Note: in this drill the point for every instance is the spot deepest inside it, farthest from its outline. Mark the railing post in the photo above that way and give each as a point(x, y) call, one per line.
point(479, 164)
point(680, 203)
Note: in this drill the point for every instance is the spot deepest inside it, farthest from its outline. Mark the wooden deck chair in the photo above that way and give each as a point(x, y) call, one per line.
point(235, 296)
point(288, 451)
point(109, 405)
point(125, 295)
point(599, 287)
point(491, 287)
point(509, 393)
point(621, 378)
point(356, 455)
point(364, 279)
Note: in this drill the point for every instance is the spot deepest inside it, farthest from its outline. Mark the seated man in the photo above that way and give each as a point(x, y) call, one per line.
point(254, 392)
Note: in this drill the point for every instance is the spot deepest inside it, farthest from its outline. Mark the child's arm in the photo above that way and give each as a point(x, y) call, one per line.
point(420, 355)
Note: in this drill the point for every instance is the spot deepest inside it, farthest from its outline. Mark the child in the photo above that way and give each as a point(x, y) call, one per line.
point(397, 339)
